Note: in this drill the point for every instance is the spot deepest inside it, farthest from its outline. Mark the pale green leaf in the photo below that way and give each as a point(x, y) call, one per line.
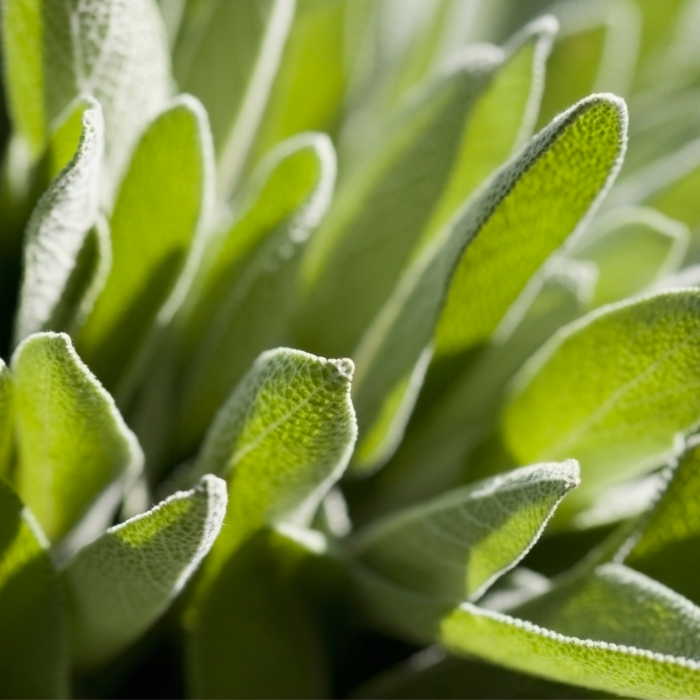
point(72, 443)
point(666, 546)
point(523, 646)
point(456, 545)
point(34, 656)
point(7, 421)
point(242, 299)
point(462, 286)
point(58, 229)
point(119, 585)
point(614, 390)
point(228, 55)
point(157, 232)
point(255, 635)
point(642, 242)
point(281, 440)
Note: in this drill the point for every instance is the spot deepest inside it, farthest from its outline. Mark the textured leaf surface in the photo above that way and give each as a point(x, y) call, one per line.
point(34, 658)
point(255, 636)
point(58, 229)
point(281, 440)
point(159, 213)
point(665, 549)
point(72, 442)
point(120, 584)
point(244, 296)
point(457, 544)
point(613, 390)
point(7, 420)
point(228, 58)
point(466, 281)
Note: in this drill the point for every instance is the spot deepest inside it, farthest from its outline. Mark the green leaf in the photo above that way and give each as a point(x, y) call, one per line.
point(242, 299)
point(665, 546)
point(282, 440)
point(456, 545)
point(119, 585)
point(614, 390)
point(157, 230)
point(228, 57)
point(72, 443)
point(523, 646)
point(34, 658)
point(255, 635)
point(7, 421)
point(58, 229)
point(462, 286)
point(116, 52)
point(644, 243)
point(467, 122)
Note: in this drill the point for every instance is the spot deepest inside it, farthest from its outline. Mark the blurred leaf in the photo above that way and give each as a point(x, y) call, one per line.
point(456, 545)
point(666, 547)
point(34, 657)
point(254, 635)
point(228, 55)
point(467, 280)
point(7, 422)
point(614, 389)
point(157, 236)
point(282, 440)
point(642, 242)
point(242, 299)
point(58, 228)
point(72, 443)
point(119, 585)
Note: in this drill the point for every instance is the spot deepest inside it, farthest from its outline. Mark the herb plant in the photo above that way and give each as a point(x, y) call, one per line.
point(490, 489)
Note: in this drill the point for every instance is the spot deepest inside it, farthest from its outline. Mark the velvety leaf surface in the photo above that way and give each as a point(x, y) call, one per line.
point(120, 584)
point(72, 443)
point(7, 421)
point(228, 57)
point(281, 440)
point(244, 294)
point(34, 660)
point(613, 390)
point(58, 229)
point(157, 220)
point(254, 635)
point(457, 544)
point(466, 281)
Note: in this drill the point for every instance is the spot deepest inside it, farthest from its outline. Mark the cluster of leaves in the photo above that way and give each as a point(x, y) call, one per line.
point(521, 312)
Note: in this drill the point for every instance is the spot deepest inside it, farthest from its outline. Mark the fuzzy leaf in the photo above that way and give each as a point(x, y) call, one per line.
point(254, 636)
point(115, 50)
point(58, 229)
point(281, 440)
point(246, 294)
point(461, 287)
point(666, 547)
point(119, 585)
point(228, 57)
point(613, 390)
point(72, 442)
point(34, 659)
point(157, 220)
point(456, 545)
point(7, 421)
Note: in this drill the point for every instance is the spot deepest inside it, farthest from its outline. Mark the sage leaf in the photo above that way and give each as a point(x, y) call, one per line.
point(57, 230)
point(157, 237)
point(614, 390)
point(462, 286)
point(456, 545)
point(242, 300)
point(119, 585)
point(72, 443)
point(7, 421)
point(281, 440)
point(34, 657)
point(232, 73)
point(255, 635)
